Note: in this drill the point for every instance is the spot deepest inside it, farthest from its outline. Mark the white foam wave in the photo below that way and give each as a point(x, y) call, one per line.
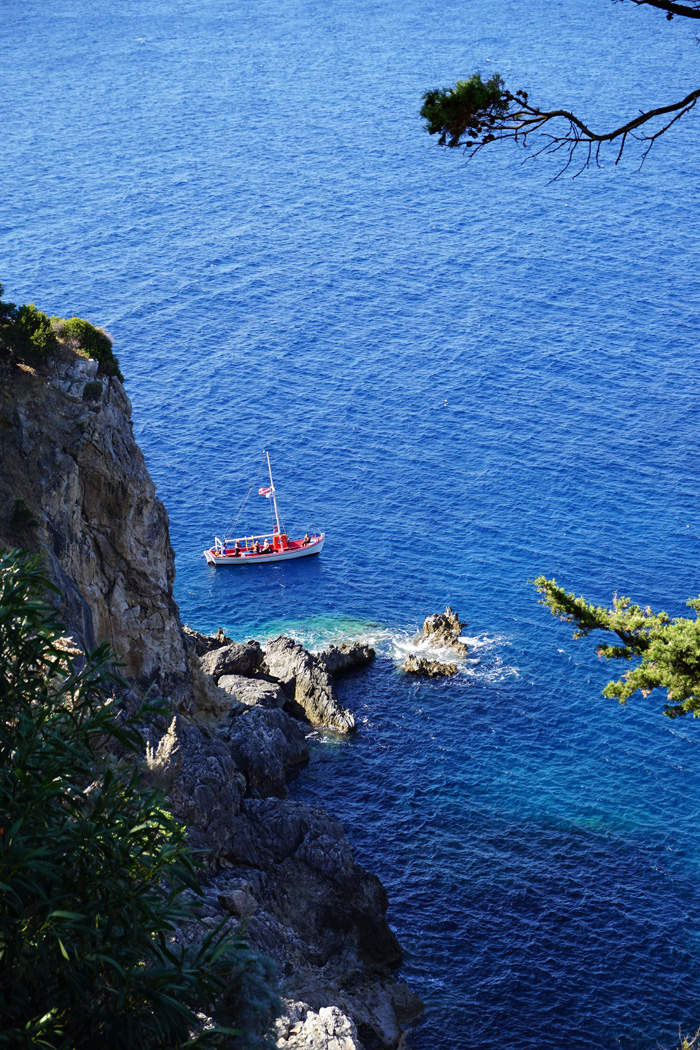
point(484, 659)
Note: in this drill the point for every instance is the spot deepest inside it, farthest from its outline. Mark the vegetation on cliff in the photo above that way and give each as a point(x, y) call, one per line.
point(95, 874)
point(33, 337)
point(668, 651)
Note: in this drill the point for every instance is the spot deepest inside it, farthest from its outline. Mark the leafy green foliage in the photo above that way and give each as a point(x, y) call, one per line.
point(33, 337)
point(92, 391)
point(667, 651)
point(93, 341)
point(94, 871)
point(468, 112)
point(27, 332)
point(7, 310)
point(22, 518)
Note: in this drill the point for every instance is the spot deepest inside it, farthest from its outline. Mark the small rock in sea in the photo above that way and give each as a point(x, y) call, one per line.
point(445, 629)
point(414, 664)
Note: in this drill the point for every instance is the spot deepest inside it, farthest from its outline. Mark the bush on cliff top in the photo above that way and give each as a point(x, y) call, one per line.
point(92, 341)
point(27, 332)
point(33, 337)
point(94, 870)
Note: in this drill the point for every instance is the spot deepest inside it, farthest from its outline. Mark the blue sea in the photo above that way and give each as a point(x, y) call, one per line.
point(467, 374)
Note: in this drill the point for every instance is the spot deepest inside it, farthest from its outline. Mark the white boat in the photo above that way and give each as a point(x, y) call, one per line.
point(266, 547)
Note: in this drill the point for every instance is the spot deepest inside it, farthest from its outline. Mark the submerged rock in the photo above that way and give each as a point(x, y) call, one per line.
point(307, 684)
point(444, 629)
point(415, 664)
point(349, 656)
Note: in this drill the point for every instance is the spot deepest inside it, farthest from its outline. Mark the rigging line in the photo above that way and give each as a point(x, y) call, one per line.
point(232, 526)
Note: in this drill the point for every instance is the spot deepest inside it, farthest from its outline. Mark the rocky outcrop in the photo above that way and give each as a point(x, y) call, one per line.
point(303, 1029)
point(349, 656)
point(253, 692)
point(264, 746)
point(307, 684)
point(242, 658)
point(444, 630)
point(204, 643)
point(208, 791)
point(420, 665)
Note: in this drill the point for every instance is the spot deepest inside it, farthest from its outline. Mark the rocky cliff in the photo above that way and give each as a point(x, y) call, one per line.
point(74, 484)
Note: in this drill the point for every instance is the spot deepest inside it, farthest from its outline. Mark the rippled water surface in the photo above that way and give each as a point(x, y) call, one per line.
point(466, 376)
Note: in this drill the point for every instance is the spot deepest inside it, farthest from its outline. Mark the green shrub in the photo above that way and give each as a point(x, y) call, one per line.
point(93, 341)
point(33, 337)
point(27, 332)
point(22, 518)
point(92, 391)
point(8, 311)
point(94, 870)
point(36, 339)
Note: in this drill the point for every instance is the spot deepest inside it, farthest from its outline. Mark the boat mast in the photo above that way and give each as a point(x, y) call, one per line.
point(272, 492)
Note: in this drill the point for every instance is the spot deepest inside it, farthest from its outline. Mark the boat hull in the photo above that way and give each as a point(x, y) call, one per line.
point(215, 557)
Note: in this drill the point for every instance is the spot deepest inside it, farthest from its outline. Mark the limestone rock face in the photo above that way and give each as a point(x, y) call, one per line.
point(307, 684)
point(208, 792)
point(444, 629)
point(312, 884)
point(414, 664)
point(349, 656)
point(76, 473)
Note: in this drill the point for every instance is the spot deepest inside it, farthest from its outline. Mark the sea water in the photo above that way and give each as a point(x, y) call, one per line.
point(467, 375)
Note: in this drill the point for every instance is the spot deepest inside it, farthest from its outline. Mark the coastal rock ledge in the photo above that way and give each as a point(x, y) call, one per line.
point(74, 486)
point(308, 685)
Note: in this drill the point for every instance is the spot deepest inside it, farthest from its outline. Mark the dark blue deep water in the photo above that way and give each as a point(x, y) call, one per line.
point(467, 377)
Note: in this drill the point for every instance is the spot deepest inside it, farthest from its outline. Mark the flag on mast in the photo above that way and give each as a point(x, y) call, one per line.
point(266, 492)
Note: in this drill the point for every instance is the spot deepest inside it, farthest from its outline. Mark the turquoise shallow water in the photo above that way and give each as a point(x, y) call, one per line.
point(466, 377)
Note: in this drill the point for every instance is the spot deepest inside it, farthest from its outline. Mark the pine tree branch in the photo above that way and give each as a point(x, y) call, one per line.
point(475, 113)
point(683, 10)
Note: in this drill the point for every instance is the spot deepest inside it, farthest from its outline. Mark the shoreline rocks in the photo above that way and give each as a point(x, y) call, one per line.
point(237, 658)
point(307, 684)
point(414, 664)
point(348, 656)
point(253, 692)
